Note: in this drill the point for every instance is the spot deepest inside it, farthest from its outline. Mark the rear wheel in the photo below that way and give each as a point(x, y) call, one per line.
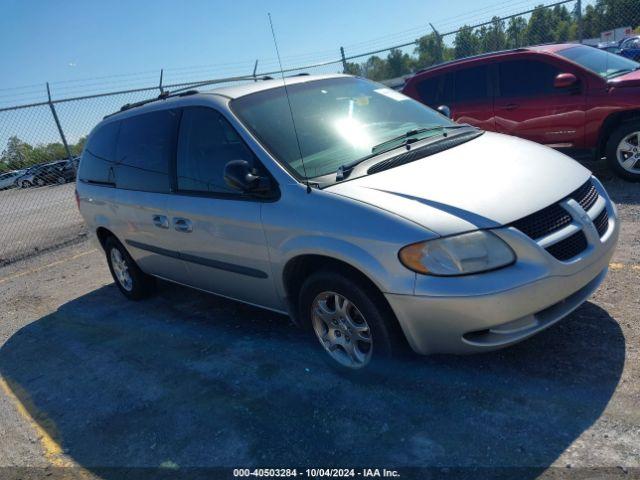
point(130, 280)
point(61, 180)
point(40, 182)
point(353, 324)
point(623, 151)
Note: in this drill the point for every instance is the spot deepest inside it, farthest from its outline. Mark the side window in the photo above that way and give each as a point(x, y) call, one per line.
point(471, 84)
point(99, 154)
point(207, 143)
point(526, 78)
point(146, 146)
point(436, 91)
point(428, 90)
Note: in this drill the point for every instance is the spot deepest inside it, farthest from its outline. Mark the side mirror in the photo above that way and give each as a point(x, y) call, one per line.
point(444, 110)
point(240, 175)
point(565, 80)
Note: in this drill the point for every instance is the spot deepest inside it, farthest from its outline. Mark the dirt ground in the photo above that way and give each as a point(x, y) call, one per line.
point(94, 385)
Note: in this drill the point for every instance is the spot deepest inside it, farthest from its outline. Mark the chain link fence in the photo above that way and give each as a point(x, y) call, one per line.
point(39, 141)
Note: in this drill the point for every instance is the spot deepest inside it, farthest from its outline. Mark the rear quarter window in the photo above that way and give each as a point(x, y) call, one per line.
point(98, 156)
point(146, 147)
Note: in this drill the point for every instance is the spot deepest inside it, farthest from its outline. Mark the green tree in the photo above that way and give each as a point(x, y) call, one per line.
point(516, 32)
point(353, 68)
point(540, 28)
point(79, 146)
point(398, 63)
point(16, 154)
point(375, 68)
point(466, 43)
point(493, 38)
point(430, 50)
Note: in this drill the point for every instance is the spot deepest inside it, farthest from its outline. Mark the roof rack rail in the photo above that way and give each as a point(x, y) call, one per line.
point(162, 96)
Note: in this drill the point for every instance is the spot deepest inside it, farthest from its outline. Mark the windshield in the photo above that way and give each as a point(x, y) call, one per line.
point(338, 120)
point(605, 64)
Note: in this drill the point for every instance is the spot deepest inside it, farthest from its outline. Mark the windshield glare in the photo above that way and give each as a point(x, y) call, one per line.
point(605, 64)
point(338, 121)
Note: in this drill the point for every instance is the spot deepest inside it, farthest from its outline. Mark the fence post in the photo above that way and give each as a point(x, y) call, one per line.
point(160, 85)
point(57, 120)
point(255, 69)
point(579, 13)
point(344, 60)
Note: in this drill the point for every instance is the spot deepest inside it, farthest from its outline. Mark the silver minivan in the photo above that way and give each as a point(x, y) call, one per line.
point(370, 219)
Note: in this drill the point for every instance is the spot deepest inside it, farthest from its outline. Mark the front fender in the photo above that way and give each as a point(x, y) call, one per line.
point(383, 268)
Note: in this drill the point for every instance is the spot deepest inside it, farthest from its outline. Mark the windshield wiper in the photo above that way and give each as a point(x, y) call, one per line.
point(399, 141)
point(409, 135)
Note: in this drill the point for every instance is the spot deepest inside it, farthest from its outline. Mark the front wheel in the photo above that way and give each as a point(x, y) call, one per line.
point(623, 151)
point(130, 280)
point(25, 184)
point(351, 321)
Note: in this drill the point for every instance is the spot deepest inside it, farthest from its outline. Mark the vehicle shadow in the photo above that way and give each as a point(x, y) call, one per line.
point(189, 380)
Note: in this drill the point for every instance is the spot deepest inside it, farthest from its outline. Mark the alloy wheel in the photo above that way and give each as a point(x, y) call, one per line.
point(628, 153)
point(342, 330)
point(121, 270)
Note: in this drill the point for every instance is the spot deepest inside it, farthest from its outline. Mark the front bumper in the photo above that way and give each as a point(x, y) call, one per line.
point(492, 310)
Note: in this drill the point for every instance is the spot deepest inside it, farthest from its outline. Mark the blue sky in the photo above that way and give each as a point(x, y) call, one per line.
point(81, 46)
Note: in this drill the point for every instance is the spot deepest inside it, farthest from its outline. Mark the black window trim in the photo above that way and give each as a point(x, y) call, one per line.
point(242, 196)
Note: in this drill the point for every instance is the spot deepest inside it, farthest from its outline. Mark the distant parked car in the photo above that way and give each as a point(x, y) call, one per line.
point(630, 48)
point(611, 47)
point(8, 180)
point(571, 97)
point(60, 172)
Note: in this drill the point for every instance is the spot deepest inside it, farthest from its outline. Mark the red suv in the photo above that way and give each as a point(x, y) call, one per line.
point(571, 97)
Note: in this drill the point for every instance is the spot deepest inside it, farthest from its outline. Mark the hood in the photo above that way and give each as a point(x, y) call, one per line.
point(631, 79)
point(484, 183)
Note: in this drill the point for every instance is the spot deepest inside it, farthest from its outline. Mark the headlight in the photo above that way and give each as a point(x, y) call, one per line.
point(473, 252)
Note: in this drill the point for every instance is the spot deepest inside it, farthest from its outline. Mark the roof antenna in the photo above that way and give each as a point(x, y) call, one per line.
point(286, 92)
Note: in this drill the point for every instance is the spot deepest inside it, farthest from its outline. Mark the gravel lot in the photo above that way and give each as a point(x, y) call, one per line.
point(186, 380)
point(37, 219)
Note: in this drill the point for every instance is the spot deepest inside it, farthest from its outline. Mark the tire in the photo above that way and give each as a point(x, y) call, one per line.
point(130, 280)
point(623, 151)
point(40, 182)
point(61, 180)
point(25, 184)
point(367, 309)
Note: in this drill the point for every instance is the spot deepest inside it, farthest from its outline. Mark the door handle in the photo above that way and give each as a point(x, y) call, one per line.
point(161, 221)
point(510, 106)
point(182, 224)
